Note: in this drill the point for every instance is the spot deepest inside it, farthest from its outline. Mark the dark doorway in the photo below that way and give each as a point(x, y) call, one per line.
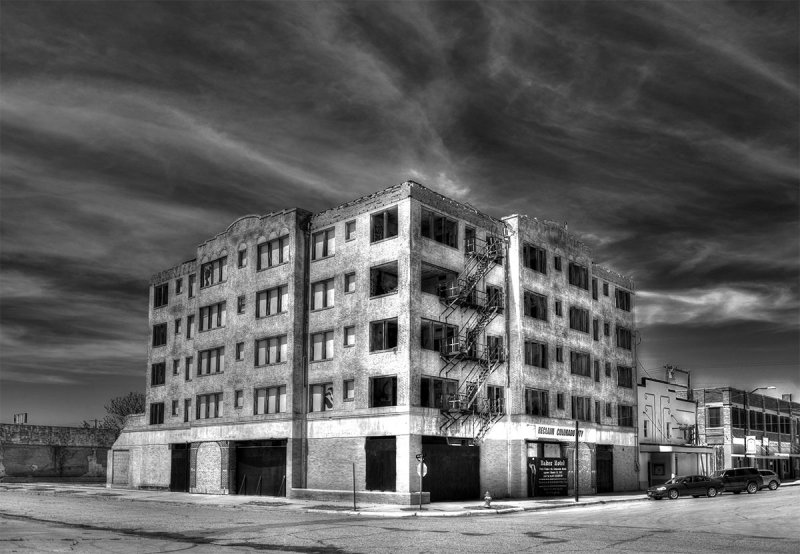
point(261, 468)
point(605, 468)
point(381, 463)
point(453, 469)
point(179, 472)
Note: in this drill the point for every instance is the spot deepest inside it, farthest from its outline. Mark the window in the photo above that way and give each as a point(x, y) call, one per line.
point(596, 329)
point(579, 319)
point(383, 335)
point(537, 402)
point(579, 364)
point(175, 408)
point(350, 335)
point(187, 408)
point(608, 369)
point(211, 361)
point(786, 427)
point(756, 421)
point(271, 350)
point(322, 346)
point(495, 348)
point(323, 244)
point(161, 295)
point(594, 288)
point(383, 279)
point(771, 421)
point(158, 373)
point(559, 353)
point(469, 240)
point(625, 416)
point(159, 334)
point(582, 408)
point(535, 305)
point(209, 406)
point(625, 376)
point(622, 299)
point(738, 417)
point(496, 398)
point(241, 260)
point(214, 272)
point(435, 279)
point(350, 230)
point(321, 398)
point(178, 286)
point(608, 409)
point(238, 399)
point(272, 253)
point(578, 276)
point(606, 329)
point(438, 336)
point(597, 370)
point(557, 263)
point(534, 258)
point(439, 228)
point(494, 297)
point(350, 283)
point(189, 326)
point(383, 392)
point(536, 354)
point(239, 351)
point(192, 282)
point(157, 413)
point(384, 225)
point(269, 400)
point(240, 304)
point(213, 316)
point(322, 294)
point(349, 390)
point(176, 367)
point(560, 400)
point(623, 338)
point(177, 326)
point(605, 289)
point(437, 393)
point(559, 308)
point(188, 368)
point(272, 301)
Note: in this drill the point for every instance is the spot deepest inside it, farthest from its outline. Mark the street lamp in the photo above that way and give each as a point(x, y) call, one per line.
point(747, 418)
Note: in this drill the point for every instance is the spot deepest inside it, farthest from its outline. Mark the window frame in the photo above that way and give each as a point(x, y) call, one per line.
point(373, 384)
point(389, 221)
point(280, 295)
point(576, 363)
point(264, 253)
point(219, 356)
point(542, 400)
point(214, 272)
point(328, 294)
point(385, 324)
point(158, 374)
point(156, 413)
point(579, 319)
point(325, 341)
point(536, 351)
point(328, 244)
point(448, 232)
point(377, 276)
point(159, 335)
point(161, 295)
point(277, 343)
point(534, 257)
point(214, 315)
point(350, 230)
point(578, 276)
point(534, 305)
point(280, 404)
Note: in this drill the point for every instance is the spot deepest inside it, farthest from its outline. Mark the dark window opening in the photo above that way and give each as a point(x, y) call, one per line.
point(384, 225)
point(383, 279)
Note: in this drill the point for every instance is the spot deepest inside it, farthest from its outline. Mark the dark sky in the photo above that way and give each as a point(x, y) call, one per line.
point(664, 133)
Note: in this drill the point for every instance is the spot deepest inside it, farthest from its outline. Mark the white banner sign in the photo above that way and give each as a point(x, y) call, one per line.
point(566, 434)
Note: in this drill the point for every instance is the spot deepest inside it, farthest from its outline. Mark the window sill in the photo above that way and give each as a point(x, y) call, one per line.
point(320, 361)
point(210, 374)
point(271, 266)
point(382, 295)
point(213, 285)
point(272, 315)
point(322, 309)
point(328, 257)
point(348, 345)
point(385, 350)
point(349, 292)
point(271, 364)
point(383, 240)
point(209, 330)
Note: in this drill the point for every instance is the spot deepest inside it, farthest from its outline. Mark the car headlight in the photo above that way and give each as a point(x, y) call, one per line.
point(661, 488)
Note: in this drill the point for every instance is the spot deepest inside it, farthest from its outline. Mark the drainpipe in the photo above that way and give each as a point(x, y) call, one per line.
point(304, 355)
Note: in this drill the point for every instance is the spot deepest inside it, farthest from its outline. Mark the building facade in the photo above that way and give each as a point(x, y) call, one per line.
point(750, 430)
point(310, 354)
point(668, 433)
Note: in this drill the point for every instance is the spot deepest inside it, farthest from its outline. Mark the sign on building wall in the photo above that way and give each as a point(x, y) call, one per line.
point(750, 445)
point(549, 476)
point(564, 434)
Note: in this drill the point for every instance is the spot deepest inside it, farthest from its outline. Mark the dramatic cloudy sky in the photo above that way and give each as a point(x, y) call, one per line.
point(664, 133)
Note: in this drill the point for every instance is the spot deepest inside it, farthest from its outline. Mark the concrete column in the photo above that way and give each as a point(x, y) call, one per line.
point(406, 479)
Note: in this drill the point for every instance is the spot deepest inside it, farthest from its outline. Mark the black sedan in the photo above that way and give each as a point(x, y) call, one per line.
point(690, 485)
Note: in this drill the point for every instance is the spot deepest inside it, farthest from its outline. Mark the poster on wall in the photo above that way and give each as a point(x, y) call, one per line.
point(548, 476)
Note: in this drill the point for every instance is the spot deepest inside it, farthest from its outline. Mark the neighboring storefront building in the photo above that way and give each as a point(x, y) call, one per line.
point(749, 429)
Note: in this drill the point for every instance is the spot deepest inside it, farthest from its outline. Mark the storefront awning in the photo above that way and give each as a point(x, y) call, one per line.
point(686, 449)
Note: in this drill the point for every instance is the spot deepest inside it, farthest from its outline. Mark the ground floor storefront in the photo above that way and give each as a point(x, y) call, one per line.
point(660, 462)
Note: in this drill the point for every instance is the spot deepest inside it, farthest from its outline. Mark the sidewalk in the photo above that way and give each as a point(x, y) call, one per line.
point(434, 509)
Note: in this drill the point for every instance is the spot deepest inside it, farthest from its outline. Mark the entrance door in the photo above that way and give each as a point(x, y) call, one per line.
point(179, 472)
point(605, 468)
point(381, 463)
point(453, 471)
point(261, 468)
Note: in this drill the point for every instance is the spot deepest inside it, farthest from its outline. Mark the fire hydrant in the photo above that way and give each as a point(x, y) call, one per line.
point(487, 500)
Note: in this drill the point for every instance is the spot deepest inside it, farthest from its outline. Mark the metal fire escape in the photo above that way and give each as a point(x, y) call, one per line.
point(478, 360)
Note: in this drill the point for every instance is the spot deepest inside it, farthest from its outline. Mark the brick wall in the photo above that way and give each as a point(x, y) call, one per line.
point(330, 463)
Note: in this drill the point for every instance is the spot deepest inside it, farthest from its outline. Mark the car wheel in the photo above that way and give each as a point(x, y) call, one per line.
point(712, 492)
point(673, 494)
point(773, 485)
point(752, 488)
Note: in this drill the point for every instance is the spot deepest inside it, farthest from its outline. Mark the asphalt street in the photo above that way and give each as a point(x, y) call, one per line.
point(764, 522)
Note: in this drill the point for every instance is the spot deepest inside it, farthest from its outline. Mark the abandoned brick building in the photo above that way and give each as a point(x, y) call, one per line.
point(306, 354)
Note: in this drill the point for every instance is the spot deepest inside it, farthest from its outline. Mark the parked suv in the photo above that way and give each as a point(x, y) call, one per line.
point(771, 480)
point(740, 479)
